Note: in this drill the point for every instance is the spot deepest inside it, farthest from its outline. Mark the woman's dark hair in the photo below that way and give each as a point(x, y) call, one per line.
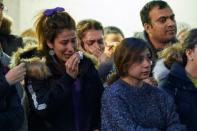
point(47, 27)
point(126, 53)
point(190, 42)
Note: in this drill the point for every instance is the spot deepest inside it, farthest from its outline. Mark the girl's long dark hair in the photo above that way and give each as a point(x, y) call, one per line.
point(189, 43)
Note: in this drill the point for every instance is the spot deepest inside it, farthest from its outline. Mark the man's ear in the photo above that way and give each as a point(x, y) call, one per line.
point(147, 28)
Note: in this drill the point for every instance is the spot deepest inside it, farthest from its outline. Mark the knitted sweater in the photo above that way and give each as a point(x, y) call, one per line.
point(146, 108)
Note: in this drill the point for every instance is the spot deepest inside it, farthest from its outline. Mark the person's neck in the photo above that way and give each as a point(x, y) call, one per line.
point(191, 70)
point(158, 45)
point(132, 81)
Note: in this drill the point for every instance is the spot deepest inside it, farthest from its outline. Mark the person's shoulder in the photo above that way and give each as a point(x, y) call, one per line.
point(161, 95)
point(115, 89)
point(15, 38)
point(87, 64)
point(139, 35)
point(155, 90)
point(86, 59)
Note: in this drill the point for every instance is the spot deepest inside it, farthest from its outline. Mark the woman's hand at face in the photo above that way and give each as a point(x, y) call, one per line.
point(72, 65)
point(16, 74)
point(97, 52)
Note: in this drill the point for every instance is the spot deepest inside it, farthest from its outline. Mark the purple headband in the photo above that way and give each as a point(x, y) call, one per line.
point(49, 12)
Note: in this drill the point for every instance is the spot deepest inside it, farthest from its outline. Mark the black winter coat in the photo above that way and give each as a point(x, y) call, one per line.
point(10, 43)
point(51, 100)
point(11, 110)
point(185, 94)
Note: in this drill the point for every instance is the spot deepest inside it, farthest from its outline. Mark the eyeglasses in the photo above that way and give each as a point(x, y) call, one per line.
point(91, 42)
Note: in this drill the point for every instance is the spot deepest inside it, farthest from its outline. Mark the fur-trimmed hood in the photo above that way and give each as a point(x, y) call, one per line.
point(35, 64)
point(92, 58)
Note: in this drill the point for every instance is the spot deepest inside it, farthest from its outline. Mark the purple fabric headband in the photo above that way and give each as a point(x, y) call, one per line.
point(49, 12)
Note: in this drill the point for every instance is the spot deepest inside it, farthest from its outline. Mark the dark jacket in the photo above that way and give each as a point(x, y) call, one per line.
point(105, 68)
point(51, 98)
point(11, 111)
point(185, 94)
point(10, 43)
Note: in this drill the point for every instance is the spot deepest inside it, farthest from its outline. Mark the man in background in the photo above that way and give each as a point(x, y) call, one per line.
point(9, 43)
point(159, 24)
point(158, 20)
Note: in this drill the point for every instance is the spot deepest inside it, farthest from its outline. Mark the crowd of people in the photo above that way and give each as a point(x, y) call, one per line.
point(60, 75)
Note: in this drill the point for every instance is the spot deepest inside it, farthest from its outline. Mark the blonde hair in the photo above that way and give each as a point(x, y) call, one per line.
point(183, 29)
point(28, 33)
point(172, 54)
point(47, 27)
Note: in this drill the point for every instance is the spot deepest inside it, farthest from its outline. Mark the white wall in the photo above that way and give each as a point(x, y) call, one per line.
point(121, 13)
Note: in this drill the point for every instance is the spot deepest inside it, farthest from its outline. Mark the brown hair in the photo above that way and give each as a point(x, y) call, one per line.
point(6, 25)
point(85, 25)
point(28, 33)
point(172, 54)
point(126, 53)
point(47, 27)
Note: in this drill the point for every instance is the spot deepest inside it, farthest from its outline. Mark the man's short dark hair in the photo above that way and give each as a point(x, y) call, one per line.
point(144, 13)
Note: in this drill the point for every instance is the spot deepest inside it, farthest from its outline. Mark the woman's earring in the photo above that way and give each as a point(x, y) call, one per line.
point(51, 52)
